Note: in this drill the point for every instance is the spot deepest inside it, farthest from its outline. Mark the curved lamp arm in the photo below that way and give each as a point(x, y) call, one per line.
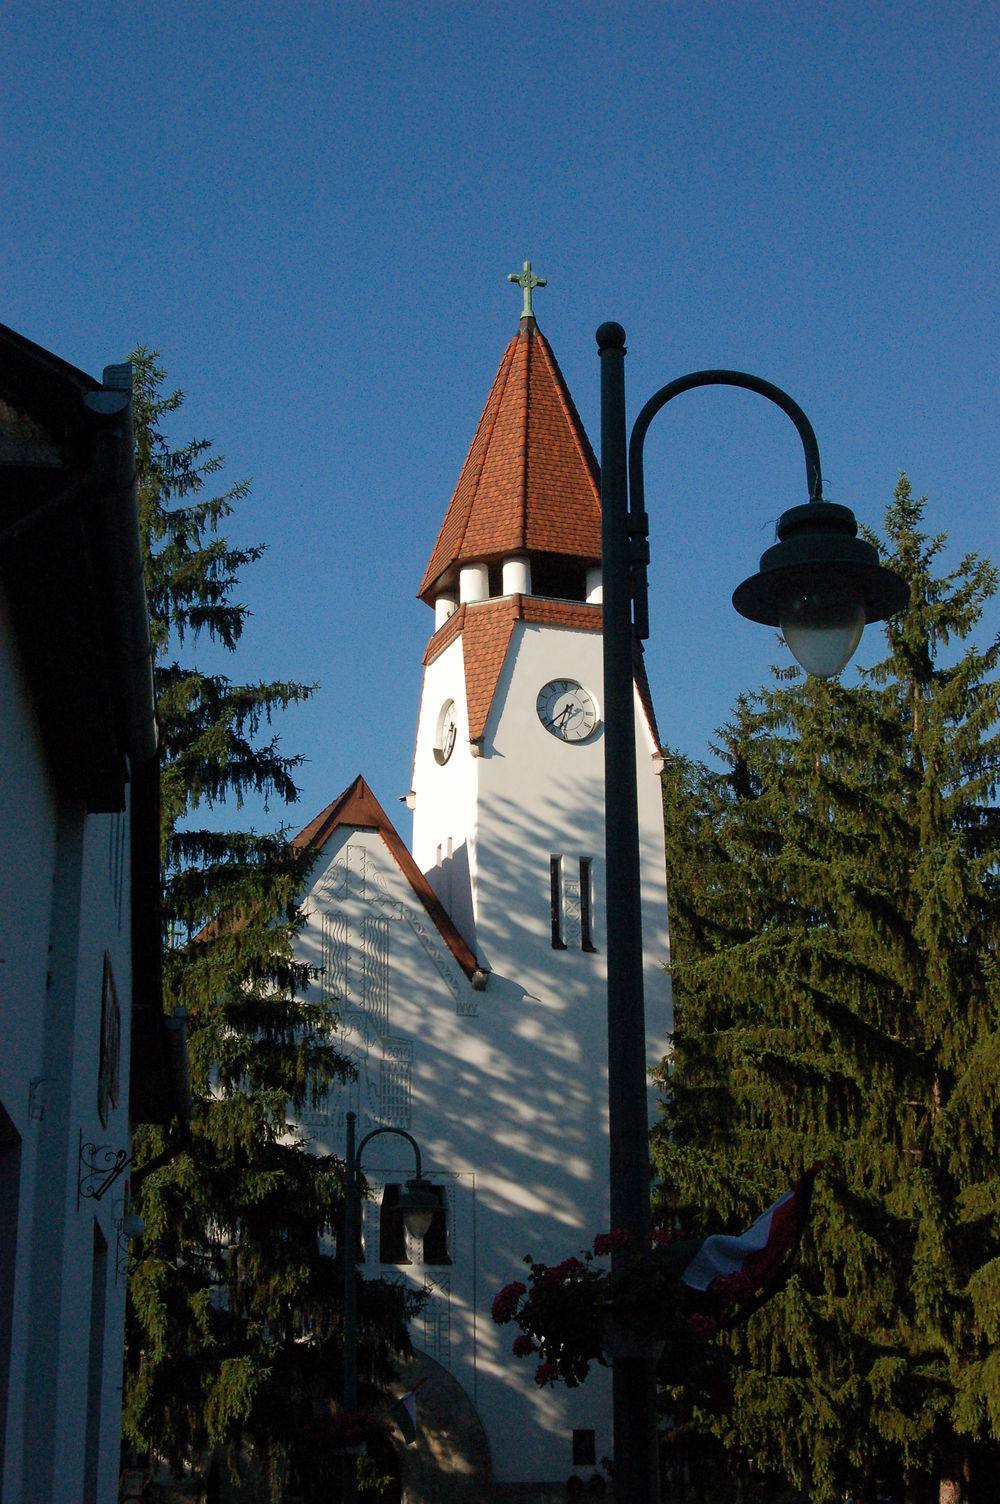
point(399, 1133)
point(814, 479)
point(638, 522)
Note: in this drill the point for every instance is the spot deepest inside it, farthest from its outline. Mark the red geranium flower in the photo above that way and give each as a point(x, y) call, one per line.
point(604, 1242)
point(505, 1302)
point(662, 1237)
point(560, 1272)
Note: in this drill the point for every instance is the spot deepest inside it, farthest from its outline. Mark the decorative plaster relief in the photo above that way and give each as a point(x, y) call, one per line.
point(355, 874)
point(356, 912)
point(448, 1185)
point(375, 970)
point(465, 1006)
point(116, 862)
point(329, 1119)
point(396, 1074)
point(336, 933)
point(437, 1318)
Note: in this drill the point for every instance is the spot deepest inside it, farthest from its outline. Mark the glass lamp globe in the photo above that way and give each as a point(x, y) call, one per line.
point(822, 629)
point(418, 1204)
point(418, 1223)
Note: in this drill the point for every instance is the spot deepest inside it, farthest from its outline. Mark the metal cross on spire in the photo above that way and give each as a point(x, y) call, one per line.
point(527, 281)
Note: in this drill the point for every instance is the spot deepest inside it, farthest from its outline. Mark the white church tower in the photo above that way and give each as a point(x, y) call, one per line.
point(486, 969)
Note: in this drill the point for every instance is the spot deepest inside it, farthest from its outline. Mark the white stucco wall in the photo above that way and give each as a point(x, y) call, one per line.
point(508, 1094)
point(63, 904)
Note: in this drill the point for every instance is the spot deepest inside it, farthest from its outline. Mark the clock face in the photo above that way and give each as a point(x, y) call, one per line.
point(567, 710)
point(447, 730)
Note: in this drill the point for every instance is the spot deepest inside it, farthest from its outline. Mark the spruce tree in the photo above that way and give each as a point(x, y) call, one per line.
point(835, 929)
point(234, 1325)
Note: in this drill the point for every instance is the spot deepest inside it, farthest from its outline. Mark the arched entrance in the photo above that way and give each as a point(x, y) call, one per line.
point(449, 1463)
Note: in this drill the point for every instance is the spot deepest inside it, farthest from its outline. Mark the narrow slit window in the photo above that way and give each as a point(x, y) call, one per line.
point(584, 1449)
point(391, 1232)
point(556, 902)
point(436, 1236)
point(586, 875)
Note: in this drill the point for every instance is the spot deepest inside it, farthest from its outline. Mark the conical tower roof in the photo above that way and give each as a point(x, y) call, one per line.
point(530, 483)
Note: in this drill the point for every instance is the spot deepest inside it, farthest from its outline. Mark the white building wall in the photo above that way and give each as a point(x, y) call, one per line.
point(445, 809)
point(63, 904)
point(509, 1086)
point(409, 1021)
point(28, 820)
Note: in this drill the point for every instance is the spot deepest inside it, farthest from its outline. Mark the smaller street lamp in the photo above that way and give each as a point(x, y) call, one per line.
point(418, 1203)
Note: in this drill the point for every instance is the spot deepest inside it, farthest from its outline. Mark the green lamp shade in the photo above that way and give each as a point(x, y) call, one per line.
point(820, 583)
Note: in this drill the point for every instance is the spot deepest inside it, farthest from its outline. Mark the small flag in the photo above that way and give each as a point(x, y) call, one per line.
point(404, 1413)
point(758, 1255)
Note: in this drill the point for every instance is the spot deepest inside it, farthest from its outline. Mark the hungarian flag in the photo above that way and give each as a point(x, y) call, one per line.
point(757, 1259)
point(404, 1413)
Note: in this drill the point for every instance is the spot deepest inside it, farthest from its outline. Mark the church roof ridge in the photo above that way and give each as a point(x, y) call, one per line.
point(530, 482)
point(358, 808)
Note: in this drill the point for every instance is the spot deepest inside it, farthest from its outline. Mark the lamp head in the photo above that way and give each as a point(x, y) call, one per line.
point(418, 1203)
point(820, 583)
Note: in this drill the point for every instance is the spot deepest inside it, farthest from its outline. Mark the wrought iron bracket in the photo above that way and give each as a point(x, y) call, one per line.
point(100, 1167)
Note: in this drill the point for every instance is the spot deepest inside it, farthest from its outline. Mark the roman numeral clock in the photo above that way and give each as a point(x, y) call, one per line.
point(567, 710)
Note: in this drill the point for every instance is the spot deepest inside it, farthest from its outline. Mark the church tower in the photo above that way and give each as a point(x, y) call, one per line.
point(508, 828)
point(471, 972)
point(508, 743)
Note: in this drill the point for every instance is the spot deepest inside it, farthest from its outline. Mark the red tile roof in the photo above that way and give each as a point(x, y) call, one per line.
point(530, 482)
point(645, 693)
point(358, 808)
point(485, 640)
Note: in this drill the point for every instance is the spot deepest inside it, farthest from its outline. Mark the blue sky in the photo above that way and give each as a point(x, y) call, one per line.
point(311, 211)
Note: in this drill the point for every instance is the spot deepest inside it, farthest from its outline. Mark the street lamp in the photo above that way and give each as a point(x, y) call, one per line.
point(820, 583)
point(418, 1203)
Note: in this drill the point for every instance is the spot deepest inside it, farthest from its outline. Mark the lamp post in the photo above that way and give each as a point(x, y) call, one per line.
point(418, 1203)
point(820, 583)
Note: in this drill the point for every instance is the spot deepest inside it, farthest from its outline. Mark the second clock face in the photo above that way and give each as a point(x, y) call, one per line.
point(447, 730)
point(567, 710)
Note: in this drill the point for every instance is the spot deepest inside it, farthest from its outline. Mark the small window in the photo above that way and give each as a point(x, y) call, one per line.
point(561, 577)
point(584, 1449)
point(436, 1236)
point(556, 902)
point(586, 878)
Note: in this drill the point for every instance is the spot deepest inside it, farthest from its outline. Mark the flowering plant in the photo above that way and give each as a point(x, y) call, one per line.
point(563, 1309)
point(558, 1313)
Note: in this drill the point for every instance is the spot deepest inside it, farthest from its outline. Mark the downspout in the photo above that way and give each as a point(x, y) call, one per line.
point(111, 406)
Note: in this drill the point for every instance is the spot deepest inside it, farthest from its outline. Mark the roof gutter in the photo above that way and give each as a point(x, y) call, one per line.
point(111, 408)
